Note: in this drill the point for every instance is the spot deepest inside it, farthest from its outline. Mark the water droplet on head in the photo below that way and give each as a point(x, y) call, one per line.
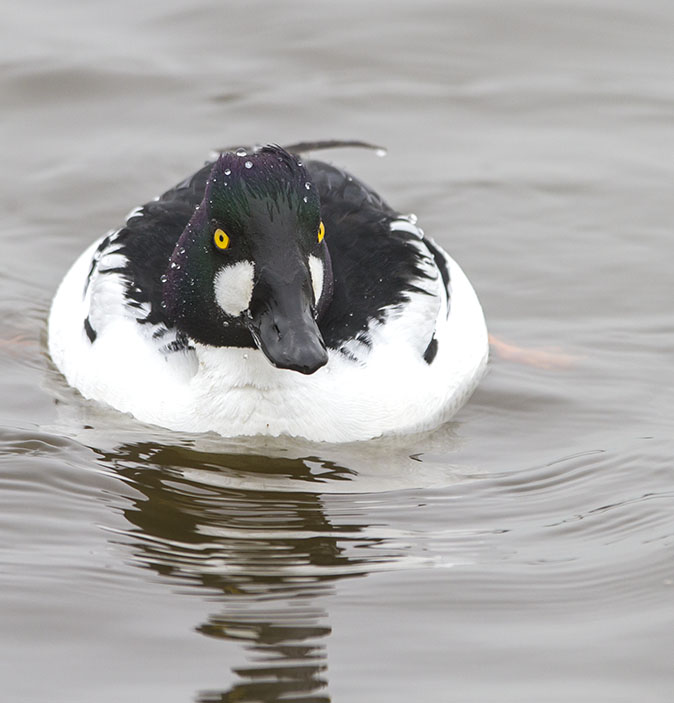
point(307, 185)
point(305, 199)
point(299, 163)
point(241, 152)
point(164, 278)
point(182, 250)
point(174, 265)
point(228, 171)
point(163, 305)
point(248, 164)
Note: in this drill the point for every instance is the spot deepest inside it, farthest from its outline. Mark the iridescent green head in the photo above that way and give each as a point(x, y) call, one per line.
point(250, 267)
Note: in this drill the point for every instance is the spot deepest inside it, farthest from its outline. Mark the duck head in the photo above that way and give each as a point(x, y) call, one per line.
point(251, 266)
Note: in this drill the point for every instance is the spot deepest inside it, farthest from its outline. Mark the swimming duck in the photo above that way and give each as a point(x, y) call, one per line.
point(267, 295)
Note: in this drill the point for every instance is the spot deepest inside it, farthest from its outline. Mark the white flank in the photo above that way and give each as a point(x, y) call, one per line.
point(390, 389)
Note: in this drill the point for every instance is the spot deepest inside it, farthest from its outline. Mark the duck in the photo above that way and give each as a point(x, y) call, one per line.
point(271, 294)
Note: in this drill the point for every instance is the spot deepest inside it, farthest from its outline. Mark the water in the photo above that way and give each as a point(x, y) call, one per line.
point(524, 551)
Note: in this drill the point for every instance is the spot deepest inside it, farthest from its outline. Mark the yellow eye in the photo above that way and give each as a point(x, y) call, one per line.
point(221, 239)
point(321, 232)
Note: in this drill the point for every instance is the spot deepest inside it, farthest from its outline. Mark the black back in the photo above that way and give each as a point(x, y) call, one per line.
point(374, 267)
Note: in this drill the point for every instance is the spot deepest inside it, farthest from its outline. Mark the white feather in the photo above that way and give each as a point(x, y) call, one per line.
point(234, 287)
point(316, 271)
point(390, 389)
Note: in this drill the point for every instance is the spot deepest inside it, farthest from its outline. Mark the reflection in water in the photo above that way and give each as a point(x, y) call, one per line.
point(289, 655)
point(270, 556)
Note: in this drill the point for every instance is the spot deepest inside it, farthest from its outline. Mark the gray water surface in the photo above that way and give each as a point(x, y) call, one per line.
point(520, 553)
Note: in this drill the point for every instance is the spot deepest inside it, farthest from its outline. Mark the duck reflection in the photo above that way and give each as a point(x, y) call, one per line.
point(270, 556)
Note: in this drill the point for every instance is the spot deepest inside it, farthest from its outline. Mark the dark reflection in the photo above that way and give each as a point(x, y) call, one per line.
point(290, 656)
point(269, 556)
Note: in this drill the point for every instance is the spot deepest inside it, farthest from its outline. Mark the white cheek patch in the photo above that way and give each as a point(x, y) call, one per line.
point(316, 271)
point(233, 287)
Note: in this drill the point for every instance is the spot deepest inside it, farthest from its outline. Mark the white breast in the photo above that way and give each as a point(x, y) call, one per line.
point(237, 392)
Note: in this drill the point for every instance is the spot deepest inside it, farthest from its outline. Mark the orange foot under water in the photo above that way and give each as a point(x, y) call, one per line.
point(14, 345)
point(549, 358)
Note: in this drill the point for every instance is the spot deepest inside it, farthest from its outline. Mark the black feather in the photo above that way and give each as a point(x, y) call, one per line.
point(374, 268)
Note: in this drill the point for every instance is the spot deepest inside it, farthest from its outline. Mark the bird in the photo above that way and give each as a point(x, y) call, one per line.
point(271, 294)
